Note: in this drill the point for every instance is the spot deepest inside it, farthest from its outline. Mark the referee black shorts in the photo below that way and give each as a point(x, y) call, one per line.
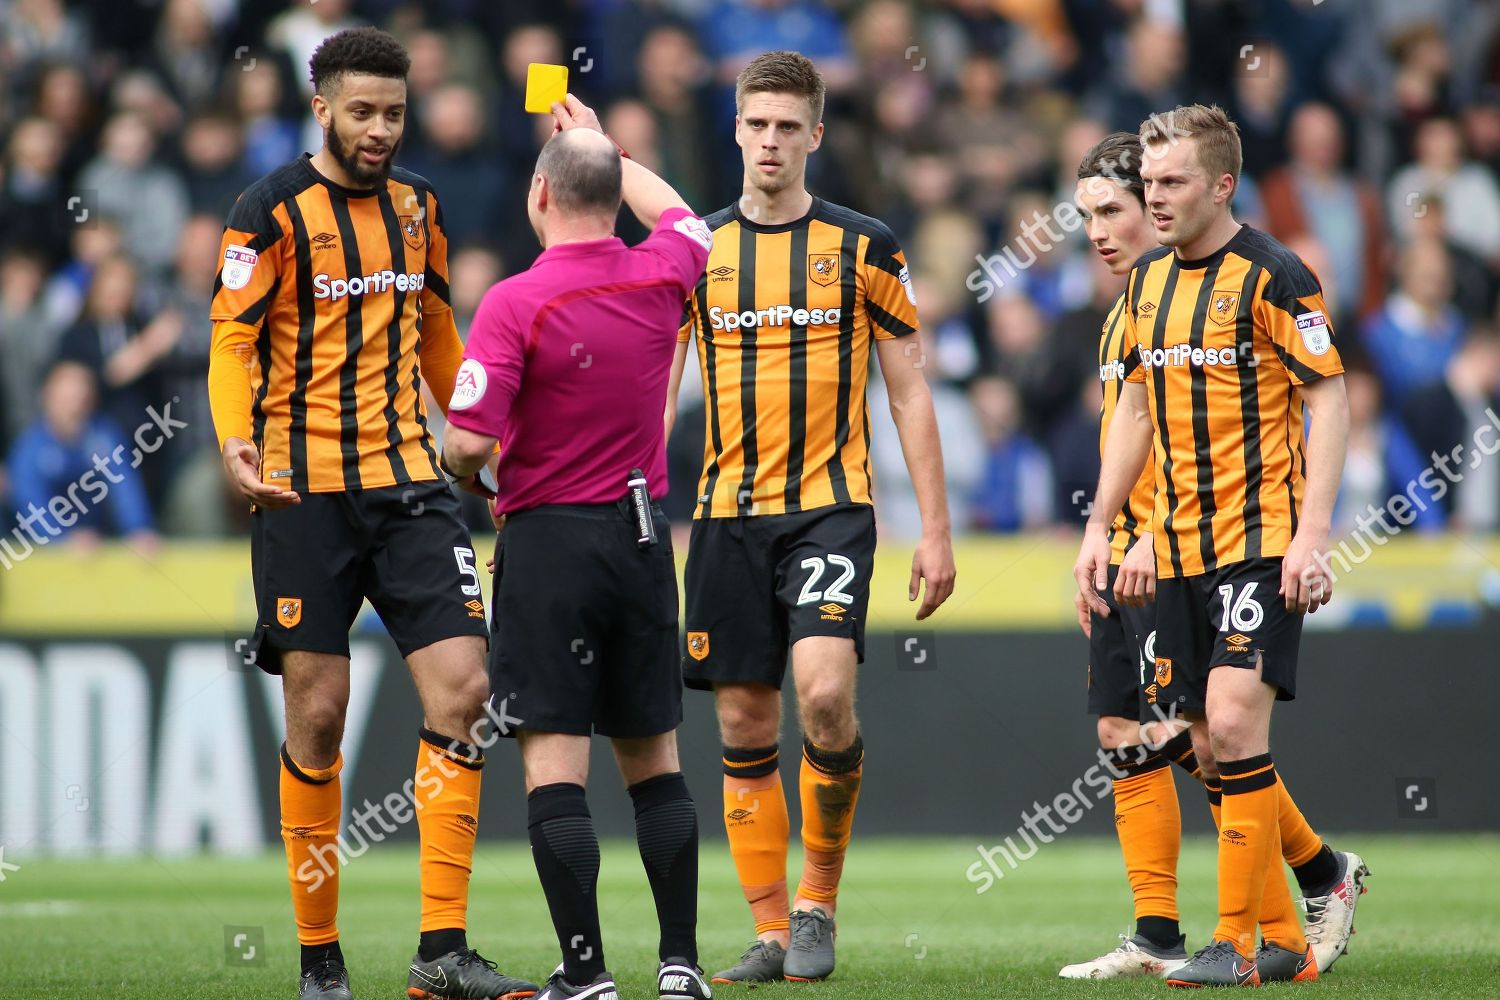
point(584, 630)
point(403, 547)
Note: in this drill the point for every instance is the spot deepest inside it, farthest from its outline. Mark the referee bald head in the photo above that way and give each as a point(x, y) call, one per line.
point(575, 191)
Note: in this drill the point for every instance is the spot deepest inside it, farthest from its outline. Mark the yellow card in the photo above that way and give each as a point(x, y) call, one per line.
point(546, 85)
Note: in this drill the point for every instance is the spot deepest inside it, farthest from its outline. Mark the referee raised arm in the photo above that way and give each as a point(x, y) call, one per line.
point(567, 367)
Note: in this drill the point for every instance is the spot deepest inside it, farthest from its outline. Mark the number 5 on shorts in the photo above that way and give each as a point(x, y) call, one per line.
point(465, 557)
point(835, 590)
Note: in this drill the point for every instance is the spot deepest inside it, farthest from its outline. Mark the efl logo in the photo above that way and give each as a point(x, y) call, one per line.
point(334, 289)
point(721, 319)
point(1182, 354)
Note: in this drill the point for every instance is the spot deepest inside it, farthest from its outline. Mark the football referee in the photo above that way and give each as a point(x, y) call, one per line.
point(567, 367)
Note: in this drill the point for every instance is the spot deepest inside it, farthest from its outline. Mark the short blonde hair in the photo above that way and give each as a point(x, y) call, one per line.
point(1219, 150)
point(782, 72)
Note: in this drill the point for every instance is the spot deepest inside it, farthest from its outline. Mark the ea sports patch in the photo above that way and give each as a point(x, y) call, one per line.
point(469, 387)
point(697, 229)
point(238, 263)
point(1314, 329)
point(698, 645)
point(1221, 307)
point(823, 268)
point(288, 611)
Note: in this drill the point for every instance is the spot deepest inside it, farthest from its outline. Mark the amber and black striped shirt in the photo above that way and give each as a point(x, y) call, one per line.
point(1135, 516)
point(1221, 343)
point(786, 316)
point(337, 285)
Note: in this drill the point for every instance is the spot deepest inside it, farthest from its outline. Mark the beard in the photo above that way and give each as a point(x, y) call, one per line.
point(356, 168)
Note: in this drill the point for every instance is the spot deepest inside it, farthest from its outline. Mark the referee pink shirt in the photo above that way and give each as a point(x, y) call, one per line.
point(567, 365)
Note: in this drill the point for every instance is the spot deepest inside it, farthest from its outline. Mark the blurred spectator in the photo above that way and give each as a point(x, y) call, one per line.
point(213, 156)
point(736, 31)
point(463, 167)
point(1475, 284)
point(74, 464)
point(68, 289)
point(1014, 492)
point(185, 55)
point(964, 455)
point(1411, 339)
point(123, 353)
point(1314, 194)
point(63, 98)
point(673, 82)
point(987, 138)
point(1446, 418)
point(150, 201)
point(1147, 81)
point(33, 200)
point(1261, 104)
point(36, 30)
point(1382, 459)
point(520, 134)
point(471, 271)
point(1441, 169)
point(1039, 369)
point(27, 338)
point(193, 498)
point(270, 137)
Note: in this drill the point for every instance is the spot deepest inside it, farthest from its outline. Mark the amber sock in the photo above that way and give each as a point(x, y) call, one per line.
point(1249, 843)
point(1148, 822)
point(829, 783)
point(755, 818)
point(310, 806)
point(446, 789)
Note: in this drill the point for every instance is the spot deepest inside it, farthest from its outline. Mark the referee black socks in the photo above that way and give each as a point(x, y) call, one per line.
point(666, 830)
point(566, 851)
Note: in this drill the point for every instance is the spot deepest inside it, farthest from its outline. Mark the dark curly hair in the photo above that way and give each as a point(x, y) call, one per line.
point(357, 50)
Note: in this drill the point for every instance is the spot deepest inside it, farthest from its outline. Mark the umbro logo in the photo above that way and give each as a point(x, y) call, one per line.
point(722, 273)
point(1237, 643)
point(468, 821)
point(1234, 837)
point(832, 612)
point(740, 814)
point(300, 832)
point(324, 241)
point(1146, 308)
point(476, 608)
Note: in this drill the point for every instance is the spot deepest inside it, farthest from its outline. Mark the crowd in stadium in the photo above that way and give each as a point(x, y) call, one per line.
point(1372, 148)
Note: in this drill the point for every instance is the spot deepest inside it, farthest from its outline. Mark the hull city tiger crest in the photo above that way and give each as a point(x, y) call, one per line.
point(411, 230)
point(823, 268)
point(1164, 671)
point(288, 611)
point(697, 643)
point(1222, 306)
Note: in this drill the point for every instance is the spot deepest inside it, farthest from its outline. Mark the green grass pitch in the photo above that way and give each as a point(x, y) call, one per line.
point(911, 925)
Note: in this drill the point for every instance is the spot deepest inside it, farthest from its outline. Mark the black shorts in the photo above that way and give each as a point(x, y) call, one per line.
point(1226, 617)
point(585, 624)
point(1119, 648)
point(403, 547)
point(755, 585)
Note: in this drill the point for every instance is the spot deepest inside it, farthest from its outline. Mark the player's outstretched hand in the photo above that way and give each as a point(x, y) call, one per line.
point(242, 466)
point(1091, 571)
point(933, 562)
point(1306, 581)
point(1135, 584)
point(573, 113)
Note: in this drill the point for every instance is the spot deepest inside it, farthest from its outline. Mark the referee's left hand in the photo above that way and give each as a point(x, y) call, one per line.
point(933, 562)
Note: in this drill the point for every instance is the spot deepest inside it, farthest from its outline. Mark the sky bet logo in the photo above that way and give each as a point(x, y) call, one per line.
point(334, 289)
point(720, 319)
point(1184, 354)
